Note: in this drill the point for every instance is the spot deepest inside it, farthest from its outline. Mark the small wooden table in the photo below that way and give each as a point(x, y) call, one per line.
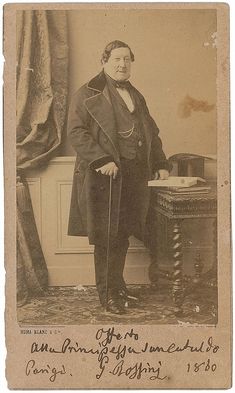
point(177, 208)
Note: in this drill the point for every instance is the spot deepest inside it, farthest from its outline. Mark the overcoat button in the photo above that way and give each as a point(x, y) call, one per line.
point(140, 143)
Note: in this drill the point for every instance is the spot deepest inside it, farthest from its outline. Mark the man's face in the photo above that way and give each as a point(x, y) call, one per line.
point(118, 65)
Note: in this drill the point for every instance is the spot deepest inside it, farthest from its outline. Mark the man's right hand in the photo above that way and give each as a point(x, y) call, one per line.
point(109, 169)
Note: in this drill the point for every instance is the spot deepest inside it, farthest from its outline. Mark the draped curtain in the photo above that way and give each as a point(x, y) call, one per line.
point(41, 105)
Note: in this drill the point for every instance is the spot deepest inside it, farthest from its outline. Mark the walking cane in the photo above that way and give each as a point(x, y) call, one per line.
point(108, 240)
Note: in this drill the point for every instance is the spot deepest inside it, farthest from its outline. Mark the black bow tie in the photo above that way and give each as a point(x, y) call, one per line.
point(122, 84)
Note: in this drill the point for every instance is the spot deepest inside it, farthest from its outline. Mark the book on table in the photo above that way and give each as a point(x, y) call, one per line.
point(180, 185)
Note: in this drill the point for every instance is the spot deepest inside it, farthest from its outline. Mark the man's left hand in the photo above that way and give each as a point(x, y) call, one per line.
point(162, 174)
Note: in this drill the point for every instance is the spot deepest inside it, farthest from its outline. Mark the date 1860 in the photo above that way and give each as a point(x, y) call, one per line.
point(201, 367)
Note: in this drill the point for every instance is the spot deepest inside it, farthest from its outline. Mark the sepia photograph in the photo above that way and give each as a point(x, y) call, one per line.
point(119, 174)
point(99, 116)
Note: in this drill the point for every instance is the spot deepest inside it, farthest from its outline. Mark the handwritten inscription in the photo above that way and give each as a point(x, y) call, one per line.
point(137, 370)
point(114, 350)
point(203, 366)
point(52, 372)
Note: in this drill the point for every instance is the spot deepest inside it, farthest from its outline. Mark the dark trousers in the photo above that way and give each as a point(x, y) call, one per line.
point(133, 177)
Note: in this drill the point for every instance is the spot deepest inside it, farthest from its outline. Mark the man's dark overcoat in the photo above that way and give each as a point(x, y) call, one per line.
point(93, 134)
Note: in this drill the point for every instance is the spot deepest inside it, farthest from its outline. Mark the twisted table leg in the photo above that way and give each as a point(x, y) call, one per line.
point(177, 290)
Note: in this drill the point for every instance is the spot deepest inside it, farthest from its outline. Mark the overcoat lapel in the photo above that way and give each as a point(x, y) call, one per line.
point(100, 108)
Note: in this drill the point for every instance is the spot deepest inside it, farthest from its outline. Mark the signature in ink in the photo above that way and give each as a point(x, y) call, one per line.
point(135, 371)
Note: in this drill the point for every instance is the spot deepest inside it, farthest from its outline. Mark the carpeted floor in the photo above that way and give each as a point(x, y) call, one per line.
point(80, 305)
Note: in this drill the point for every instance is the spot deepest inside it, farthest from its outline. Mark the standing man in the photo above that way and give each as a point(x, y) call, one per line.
point(110, 128)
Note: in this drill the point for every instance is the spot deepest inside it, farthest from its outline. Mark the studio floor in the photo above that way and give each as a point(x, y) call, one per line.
point(80, 305)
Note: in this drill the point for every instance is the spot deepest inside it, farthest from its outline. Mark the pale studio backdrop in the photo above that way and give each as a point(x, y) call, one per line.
point(175, 58)
point(175, 69)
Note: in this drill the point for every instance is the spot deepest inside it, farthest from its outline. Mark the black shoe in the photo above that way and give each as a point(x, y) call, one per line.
point(115, 307)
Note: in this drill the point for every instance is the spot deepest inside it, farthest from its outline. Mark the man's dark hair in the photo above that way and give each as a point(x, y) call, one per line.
point(114, 45)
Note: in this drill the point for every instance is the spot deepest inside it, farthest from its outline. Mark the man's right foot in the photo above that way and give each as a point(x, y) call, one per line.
point(115, 307)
